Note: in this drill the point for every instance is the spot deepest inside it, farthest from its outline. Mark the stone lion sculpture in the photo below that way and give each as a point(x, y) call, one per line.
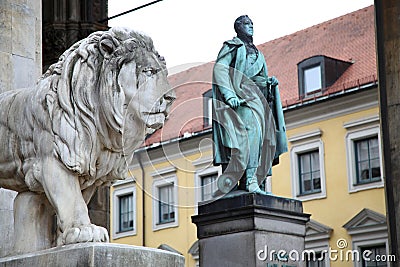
point(75, 130)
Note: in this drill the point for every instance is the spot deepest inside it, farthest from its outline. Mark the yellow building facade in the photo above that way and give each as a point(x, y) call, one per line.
point(333, 165)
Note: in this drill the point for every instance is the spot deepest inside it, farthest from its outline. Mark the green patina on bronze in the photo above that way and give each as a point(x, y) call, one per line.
point(248, 128)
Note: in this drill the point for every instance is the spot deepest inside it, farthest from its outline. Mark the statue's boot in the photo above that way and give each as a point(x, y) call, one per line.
point(252, 182)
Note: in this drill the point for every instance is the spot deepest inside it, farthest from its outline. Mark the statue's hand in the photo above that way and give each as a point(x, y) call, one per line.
point(233, 102)
point(273, 81)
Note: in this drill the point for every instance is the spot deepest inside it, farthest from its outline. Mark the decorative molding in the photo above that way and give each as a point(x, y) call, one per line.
point(172, 151)
point(367, 228)
point(360, 100)
point(364, 221)
point(362, 122)
point(124, 182)
point(317, 238)
point(200, 162)
point(194, 250)
point(316, 230)
point(164, 171)
point(302, 136)
point(168, 248)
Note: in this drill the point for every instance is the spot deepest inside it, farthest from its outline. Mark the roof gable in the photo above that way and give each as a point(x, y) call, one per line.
point(365, 218)
point(314, 228)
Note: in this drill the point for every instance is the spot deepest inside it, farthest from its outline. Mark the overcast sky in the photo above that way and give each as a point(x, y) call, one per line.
point(192, 31)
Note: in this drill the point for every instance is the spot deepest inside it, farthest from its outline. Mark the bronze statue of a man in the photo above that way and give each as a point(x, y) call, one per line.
point(248, 123)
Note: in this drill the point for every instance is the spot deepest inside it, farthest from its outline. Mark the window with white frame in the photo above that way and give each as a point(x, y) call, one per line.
point(165, 201)
point(367, 160)
point(364, 163)
point(309, 172)
point(206, 180)
point(374, 252)
point(307, 166)
point(125, 212)
point(317, 241)
point(207, 108)
point(208, 186)
point(124, 209)
point(369, 235)
point(312, 79)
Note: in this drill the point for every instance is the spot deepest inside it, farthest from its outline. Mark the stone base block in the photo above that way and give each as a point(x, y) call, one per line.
point(96, 254)
point(245, 229)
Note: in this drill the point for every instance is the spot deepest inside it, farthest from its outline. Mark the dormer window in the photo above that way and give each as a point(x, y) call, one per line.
point(207, 108)
point(312, 79)
point(318, 73)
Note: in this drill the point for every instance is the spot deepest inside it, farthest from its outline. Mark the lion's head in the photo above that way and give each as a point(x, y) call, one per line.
point(107, 92)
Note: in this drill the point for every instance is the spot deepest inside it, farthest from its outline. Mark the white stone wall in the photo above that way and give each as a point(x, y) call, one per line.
point(20, 43)
point(6, 220)
point(20, 66)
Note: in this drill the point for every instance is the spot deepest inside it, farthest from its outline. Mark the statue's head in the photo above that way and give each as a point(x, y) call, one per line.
point(244, 26)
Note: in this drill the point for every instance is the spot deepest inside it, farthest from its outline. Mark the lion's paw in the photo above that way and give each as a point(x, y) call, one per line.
point(85, 233)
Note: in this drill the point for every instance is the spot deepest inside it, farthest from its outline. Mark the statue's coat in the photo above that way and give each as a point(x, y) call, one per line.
point(232, 77)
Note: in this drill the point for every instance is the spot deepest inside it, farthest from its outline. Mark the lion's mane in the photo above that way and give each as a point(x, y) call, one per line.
point(86, 104)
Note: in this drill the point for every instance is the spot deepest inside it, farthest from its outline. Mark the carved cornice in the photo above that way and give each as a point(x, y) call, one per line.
point(62, 27)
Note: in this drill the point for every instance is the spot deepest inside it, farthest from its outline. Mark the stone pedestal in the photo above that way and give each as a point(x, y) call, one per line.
point(251, 230)
point(21, 66)
point(97, 254)
point(6, 221)
point(34, 227)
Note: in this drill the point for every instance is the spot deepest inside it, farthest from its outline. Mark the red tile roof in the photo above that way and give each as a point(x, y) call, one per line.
point(349, 38)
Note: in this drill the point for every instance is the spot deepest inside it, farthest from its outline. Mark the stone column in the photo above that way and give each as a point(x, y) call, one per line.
point(251, 230)
point(21, 65)
point(388, 49)
point(20, 43)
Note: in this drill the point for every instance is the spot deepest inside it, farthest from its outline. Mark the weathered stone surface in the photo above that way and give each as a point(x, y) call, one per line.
point(5, 72)
point(23, 30)
point(37, 7)
point(85, 117)
point(97, 254)
point(20, 44)
point(5, 196)
point(6, 221)
point(233, 230)
point(5, 26)
point(37, 235)
point(242, 199)
point(24, 71)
